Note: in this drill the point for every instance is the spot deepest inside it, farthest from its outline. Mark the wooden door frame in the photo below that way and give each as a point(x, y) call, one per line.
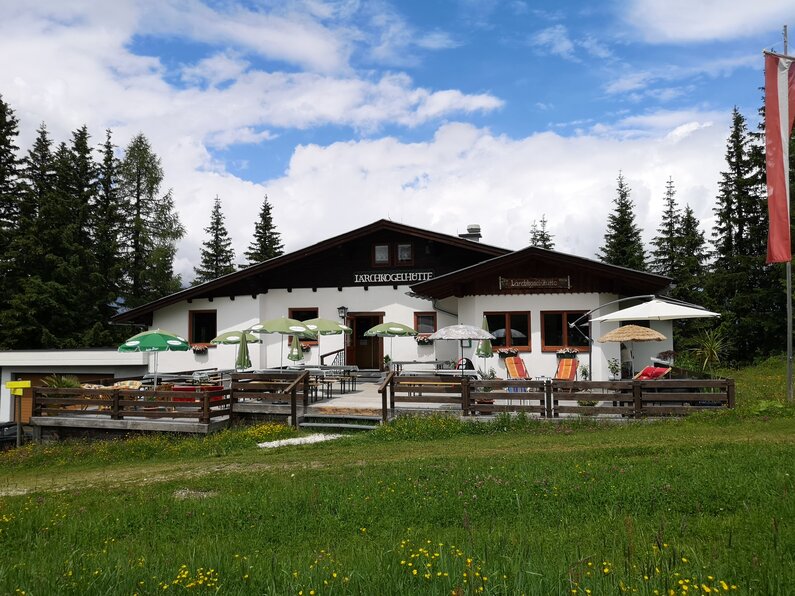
point(350, 343)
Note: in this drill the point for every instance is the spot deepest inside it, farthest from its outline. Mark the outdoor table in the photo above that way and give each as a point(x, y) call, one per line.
point(398, 365)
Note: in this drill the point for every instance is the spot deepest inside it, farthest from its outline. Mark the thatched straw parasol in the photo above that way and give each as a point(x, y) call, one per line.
point(632, 333)
point(629, 334)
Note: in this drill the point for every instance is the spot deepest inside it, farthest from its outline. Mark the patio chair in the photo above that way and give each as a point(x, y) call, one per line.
point(567, 369)
point(516, 370)
point(651, 373)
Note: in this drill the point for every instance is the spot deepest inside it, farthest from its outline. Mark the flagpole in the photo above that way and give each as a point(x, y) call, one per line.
point(788, 267)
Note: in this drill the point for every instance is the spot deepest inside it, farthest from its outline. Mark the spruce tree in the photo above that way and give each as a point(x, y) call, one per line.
point(151, 227)
point(665, 254)
point(623, 245)
point(10, 166)
point(10, 191)
point(23, 321)
point(107, 229)
point(217, 255)
point(267, 241)
point(539, 236)
point(741, 286)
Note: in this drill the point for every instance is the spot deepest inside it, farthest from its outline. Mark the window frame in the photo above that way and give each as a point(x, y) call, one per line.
point(508, 339)
point(566, 314)
point(404, 263)
point(291, 314)
point(428, 313)
point(373, 259)
point(191, 317)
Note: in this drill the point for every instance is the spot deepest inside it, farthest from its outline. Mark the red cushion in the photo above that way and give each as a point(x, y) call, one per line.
point(652, 372)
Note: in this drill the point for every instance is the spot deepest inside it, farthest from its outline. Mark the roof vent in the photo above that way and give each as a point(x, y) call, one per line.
point(472, 233)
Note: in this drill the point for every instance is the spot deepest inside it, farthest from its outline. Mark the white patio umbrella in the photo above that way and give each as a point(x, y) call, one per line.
point(657, 310)
point(461, 333)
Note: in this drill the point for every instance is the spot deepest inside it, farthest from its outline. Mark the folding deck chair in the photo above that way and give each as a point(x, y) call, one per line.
point(567, 369)
point(516, 370)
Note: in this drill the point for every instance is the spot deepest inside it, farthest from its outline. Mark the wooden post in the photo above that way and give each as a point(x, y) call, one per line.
point(206, 407)
point(730, 392)
point(548, 398)
point(294, 406)
point(637, 398)
point(392, 395)
point(384, 413)
point(306, 390)
point(114, 405)
point(465, 395)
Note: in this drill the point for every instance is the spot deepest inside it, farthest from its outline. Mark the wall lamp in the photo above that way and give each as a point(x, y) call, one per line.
point(342, 311)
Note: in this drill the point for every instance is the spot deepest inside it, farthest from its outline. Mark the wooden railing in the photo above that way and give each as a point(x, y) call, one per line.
point(117, 404)
point(550, 398)
point(273, 387)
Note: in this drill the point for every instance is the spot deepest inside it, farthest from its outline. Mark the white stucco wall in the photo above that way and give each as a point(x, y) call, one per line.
point(245, 311)
point(538, 363)
point(102, 362)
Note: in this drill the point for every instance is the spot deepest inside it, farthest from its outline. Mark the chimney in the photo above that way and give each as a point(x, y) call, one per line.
point(473, 233)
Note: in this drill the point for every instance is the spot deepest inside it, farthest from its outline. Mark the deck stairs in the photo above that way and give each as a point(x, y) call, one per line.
point(339, 422)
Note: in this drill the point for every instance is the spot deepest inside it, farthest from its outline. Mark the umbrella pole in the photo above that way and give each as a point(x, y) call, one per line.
point(154, 383)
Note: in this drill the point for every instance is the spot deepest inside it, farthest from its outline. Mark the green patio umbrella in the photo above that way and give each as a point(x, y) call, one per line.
point(484, 349)
point(296, 353)
point(284, 326)
point(156, 340)
point(390, 330)
point(326, 327)
point(241, 339)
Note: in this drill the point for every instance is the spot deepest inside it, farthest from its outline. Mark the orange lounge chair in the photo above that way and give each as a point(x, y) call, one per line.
point(516, 368)
point(650, 373)
point(567, 369)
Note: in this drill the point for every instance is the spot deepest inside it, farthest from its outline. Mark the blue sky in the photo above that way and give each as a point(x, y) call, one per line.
point(434, 114)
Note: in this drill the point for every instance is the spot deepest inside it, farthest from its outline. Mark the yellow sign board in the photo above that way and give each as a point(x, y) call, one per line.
point(16, 387)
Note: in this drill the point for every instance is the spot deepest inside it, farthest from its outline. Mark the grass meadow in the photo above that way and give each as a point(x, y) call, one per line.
point(424, 505)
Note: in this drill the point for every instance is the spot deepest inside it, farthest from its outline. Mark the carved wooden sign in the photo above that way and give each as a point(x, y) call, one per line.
point(535, 283)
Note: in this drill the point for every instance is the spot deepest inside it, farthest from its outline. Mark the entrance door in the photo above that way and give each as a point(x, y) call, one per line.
point(364, 352)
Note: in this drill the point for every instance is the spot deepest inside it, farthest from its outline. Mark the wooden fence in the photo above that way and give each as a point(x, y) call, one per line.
point(115, 405)
point(549, 398)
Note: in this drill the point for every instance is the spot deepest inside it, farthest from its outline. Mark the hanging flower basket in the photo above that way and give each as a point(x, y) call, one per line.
point(199, 349)
point(423, 339)
point(507, 352)
point(305, 347)
point(568, 353)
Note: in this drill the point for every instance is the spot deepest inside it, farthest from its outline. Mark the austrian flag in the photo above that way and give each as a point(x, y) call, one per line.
point(779, 116)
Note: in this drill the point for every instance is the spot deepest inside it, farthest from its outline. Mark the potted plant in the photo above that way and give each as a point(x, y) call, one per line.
point(614, 366)
point(489, 375)
point(507, 352)
point(423, 339)
point(568, 353)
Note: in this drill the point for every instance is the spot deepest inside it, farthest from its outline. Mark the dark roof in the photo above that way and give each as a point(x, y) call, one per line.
point(252, 280)
point(586, 275)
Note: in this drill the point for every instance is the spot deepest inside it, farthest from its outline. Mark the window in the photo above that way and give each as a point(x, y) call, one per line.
point(303, 314)
point(405, 256)
point(425, 322)
point(202, 326)
point(511, 329)
point(556, 333)
point(381, 255)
